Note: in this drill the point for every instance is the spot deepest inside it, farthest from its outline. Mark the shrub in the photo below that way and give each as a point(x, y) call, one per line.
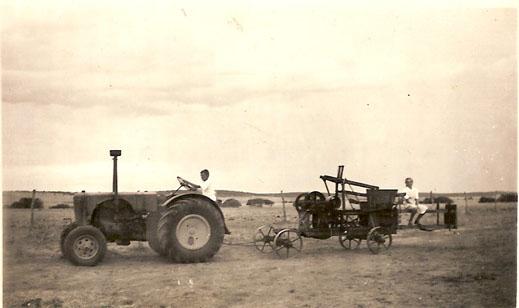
point(439, 199)
point(259, 202)
point(484, 199)
point(25, 203)
point(508, 197)
point(231, 203)
point(60, 206)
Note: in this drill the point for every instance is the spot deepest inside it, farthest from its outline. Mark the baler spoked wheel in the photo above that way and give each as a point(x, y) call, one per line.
point(288, 243)
point(379, 239)
point(264, 238)
point(348, 242)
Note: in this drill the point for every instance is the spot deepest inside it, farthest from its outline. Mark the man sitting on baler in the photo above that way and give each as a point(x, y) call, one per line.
point(411, 202)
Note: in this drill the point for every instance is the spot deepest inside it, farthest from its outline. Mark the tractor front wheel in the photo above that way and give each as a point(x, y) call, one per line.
point(191, 231)
point(64, 234)
point(85, 246)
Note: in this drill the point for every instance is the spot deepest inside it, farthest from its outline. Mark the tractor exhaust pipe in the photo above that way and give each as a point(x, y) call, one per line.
point(115, 154)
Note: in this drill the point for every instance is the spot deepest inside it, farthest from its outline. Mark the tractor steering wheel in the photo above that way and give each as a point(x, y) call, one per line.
point(186, 183)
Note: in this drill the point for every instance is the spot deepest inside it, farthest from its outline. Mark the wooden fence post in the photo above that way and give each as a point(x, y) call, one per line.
point(32, 208)
point(437, 212)
point(284, 210)
point(431, 198)
point(466, 207)
point(495, 201)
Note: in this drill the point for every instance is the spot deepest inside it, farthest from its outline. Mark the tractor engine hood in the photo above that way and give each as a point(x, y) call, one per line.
point(85, 203)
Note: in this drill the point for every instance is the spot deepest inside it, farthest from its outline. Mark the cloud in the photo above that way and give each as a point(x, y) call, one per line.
point(285, 97)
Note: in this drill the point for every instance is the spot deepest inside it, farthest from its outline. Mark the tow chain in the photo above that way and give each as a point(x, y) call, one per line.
point(238, 244)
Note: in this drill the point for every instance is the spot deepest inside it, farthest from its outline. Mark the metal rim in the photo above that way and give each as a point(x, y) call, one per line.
point(193, 232)
point(288, 243)
point(297, 204)
point(315, 196)
point(349, 243)
point(86, 247)
point(379, 239)
point(262, 239)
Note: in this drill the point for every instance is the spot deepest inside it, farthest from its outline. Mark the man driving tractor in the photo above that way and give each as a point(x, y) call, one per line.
point(206, 187)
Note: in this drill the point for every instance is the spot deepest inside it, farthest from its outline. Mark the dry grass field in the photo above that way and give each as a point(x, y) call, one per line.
point(473, 266)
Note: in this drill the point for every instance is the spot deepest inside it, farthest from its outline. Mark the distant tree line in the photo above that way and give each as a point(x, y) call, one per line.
point(508, 197)
point(259, 202)
point(231, 203)
point(484, 199)
point(60, 206)
point(25, 203)
point(439, 199)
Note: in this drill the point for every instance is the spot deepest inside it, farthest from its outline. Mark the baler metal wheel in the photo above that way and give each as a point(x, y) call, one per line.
point(348, 242)
point(288, 243)
point(379, 239)
point(263, 238)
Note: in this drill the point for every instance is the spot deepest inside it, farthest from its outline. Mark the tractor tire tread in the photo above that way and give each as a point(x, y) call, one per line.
point(69, 242)
point(167, 228)
point(71, 226)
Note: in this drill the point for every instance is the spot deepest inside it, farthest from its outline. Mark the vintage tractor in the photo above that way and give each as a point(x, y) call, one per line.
point(188, 227)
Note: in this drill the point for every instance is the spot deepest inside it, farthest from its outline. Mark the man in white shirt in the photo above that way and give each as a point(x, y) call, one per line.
point(206, 187)
point(411, 202)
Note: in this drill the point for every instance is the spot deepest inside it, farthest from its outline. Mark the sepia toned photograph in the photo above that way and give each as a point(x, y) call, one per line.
point(258, 154)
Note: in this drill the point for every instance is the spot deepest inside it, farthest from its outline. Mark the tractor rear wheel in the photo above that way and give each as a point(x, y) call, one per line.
point(64, 234)
point(85, 246)
point(151, 232)
point(191, 231)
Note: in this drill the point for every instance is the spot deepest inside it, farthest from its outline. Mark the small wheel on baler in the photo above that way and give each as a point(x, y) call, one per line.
point(288, 243)
point(348, 242)
point(379, 239)
point(263, 238)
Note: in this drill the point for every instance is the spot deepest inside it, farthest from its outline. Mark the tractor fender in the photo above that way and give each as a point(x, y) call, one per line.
point(90, 216)
point(84, 211)
point(170, 203)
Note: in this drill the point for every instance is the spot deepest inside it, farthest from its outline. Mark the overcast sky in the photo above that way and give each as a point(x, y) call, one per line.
point(267, 98)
